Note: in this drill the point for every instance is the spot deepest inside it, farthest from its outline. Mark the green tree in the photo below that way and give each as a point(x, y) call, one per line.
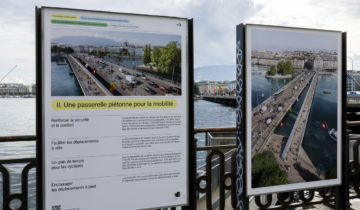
point(196, 89)
point(272, 70)
point(146, 56)
point(57, 49)
point(289, 69)
point(155, 55)
point(280, 67)
point(68, 50)
point(170, 59)
point(266, 171)
point(148, 59)
point(285, 68)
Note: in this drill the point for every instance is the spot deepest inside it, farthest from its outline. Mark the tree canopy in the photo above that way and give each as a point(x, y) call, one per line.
point(170, 59)
point(272, 70)
point(57, 49)
point(146, 59)
point(266, 171)
point(196, 89)
point(155, 55)
point(285, 68)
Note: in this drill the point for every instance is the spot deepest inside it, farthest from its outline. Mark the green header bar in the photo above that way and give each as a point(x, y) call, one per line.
point(79, 23)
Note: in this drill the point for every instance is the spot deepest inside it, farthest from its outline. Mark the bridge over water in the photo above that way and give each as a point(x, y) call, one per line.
point(89, 84)
point(290, 155)
point(226, 100)
point(277, 106)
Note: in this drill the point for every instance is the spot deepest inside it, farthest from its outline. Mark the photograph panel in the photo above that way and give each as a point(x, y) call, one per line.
point(89, 62)
point(293, 77)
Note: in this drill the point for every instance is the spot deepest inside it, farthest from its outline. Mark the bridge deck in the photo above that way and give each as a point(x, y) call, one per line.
point(261, 132)
point(298, 130)
point(88, 82)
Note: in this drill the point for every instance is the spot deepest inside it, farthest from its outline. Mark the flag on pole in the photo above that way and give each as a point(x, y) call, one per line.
point(214, 89)
point(221, 89)
point(324, 125)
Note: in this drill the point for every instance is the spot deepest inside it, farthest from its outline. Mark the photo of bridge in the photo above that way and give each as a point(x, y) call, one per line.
point(94, 63)
point(294, 94)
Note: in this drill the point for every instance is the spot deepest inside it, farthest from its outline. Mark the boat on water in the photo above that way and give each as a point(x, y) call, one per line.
point(327, 92)
point(333, 134)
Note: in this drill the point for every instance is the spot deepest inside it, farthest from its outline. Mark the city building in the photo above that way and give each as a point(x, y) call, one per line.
point(352, 80)
point(17, 89)
point(216, 87)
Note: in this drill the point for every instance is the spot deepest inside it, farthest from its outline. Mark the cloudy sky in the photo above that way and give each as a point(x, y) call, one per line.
point(214, 25)
point(271, 38)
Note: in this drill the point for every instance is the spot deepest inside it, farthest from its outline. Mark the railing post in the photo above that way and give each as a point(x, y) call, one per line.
point(5, 184)
point(342, 200)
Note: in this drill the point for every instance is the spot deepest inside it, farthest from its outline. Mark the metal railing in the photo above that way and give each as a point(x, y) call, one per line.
point(20, 197)
point(334, 197)
point(224, 177)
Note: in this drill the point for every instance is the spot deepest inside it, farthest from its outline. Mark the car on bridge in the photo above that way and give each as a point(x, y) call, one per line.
point(164, 89)
point(268, 120)
point(175, 90)
point(153, 84)
point(149, 90)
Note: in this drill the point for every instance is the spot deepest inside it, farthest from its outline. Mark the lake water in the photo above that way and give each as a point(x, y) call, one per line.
point(62, 82)
point(207, 115)
point(18, 118)
point(262, 87)
point(320, 148)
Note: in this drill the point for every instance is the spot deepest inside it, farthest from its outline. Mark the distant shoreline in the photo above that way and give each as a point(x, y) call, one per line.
point(278, 76)
point(18, 96)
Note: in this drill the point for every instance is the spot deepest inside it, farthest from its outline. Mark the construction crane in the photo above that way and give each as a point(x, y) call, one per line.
point(8, 73)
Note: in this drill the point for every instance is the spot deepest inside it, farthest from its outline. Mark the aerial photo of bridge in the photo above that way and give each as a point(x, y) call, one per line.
point(288, 87)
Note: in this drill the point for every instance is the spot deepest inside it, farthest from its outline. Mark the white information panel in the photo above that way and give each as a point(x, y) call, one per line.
point(115, 110)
